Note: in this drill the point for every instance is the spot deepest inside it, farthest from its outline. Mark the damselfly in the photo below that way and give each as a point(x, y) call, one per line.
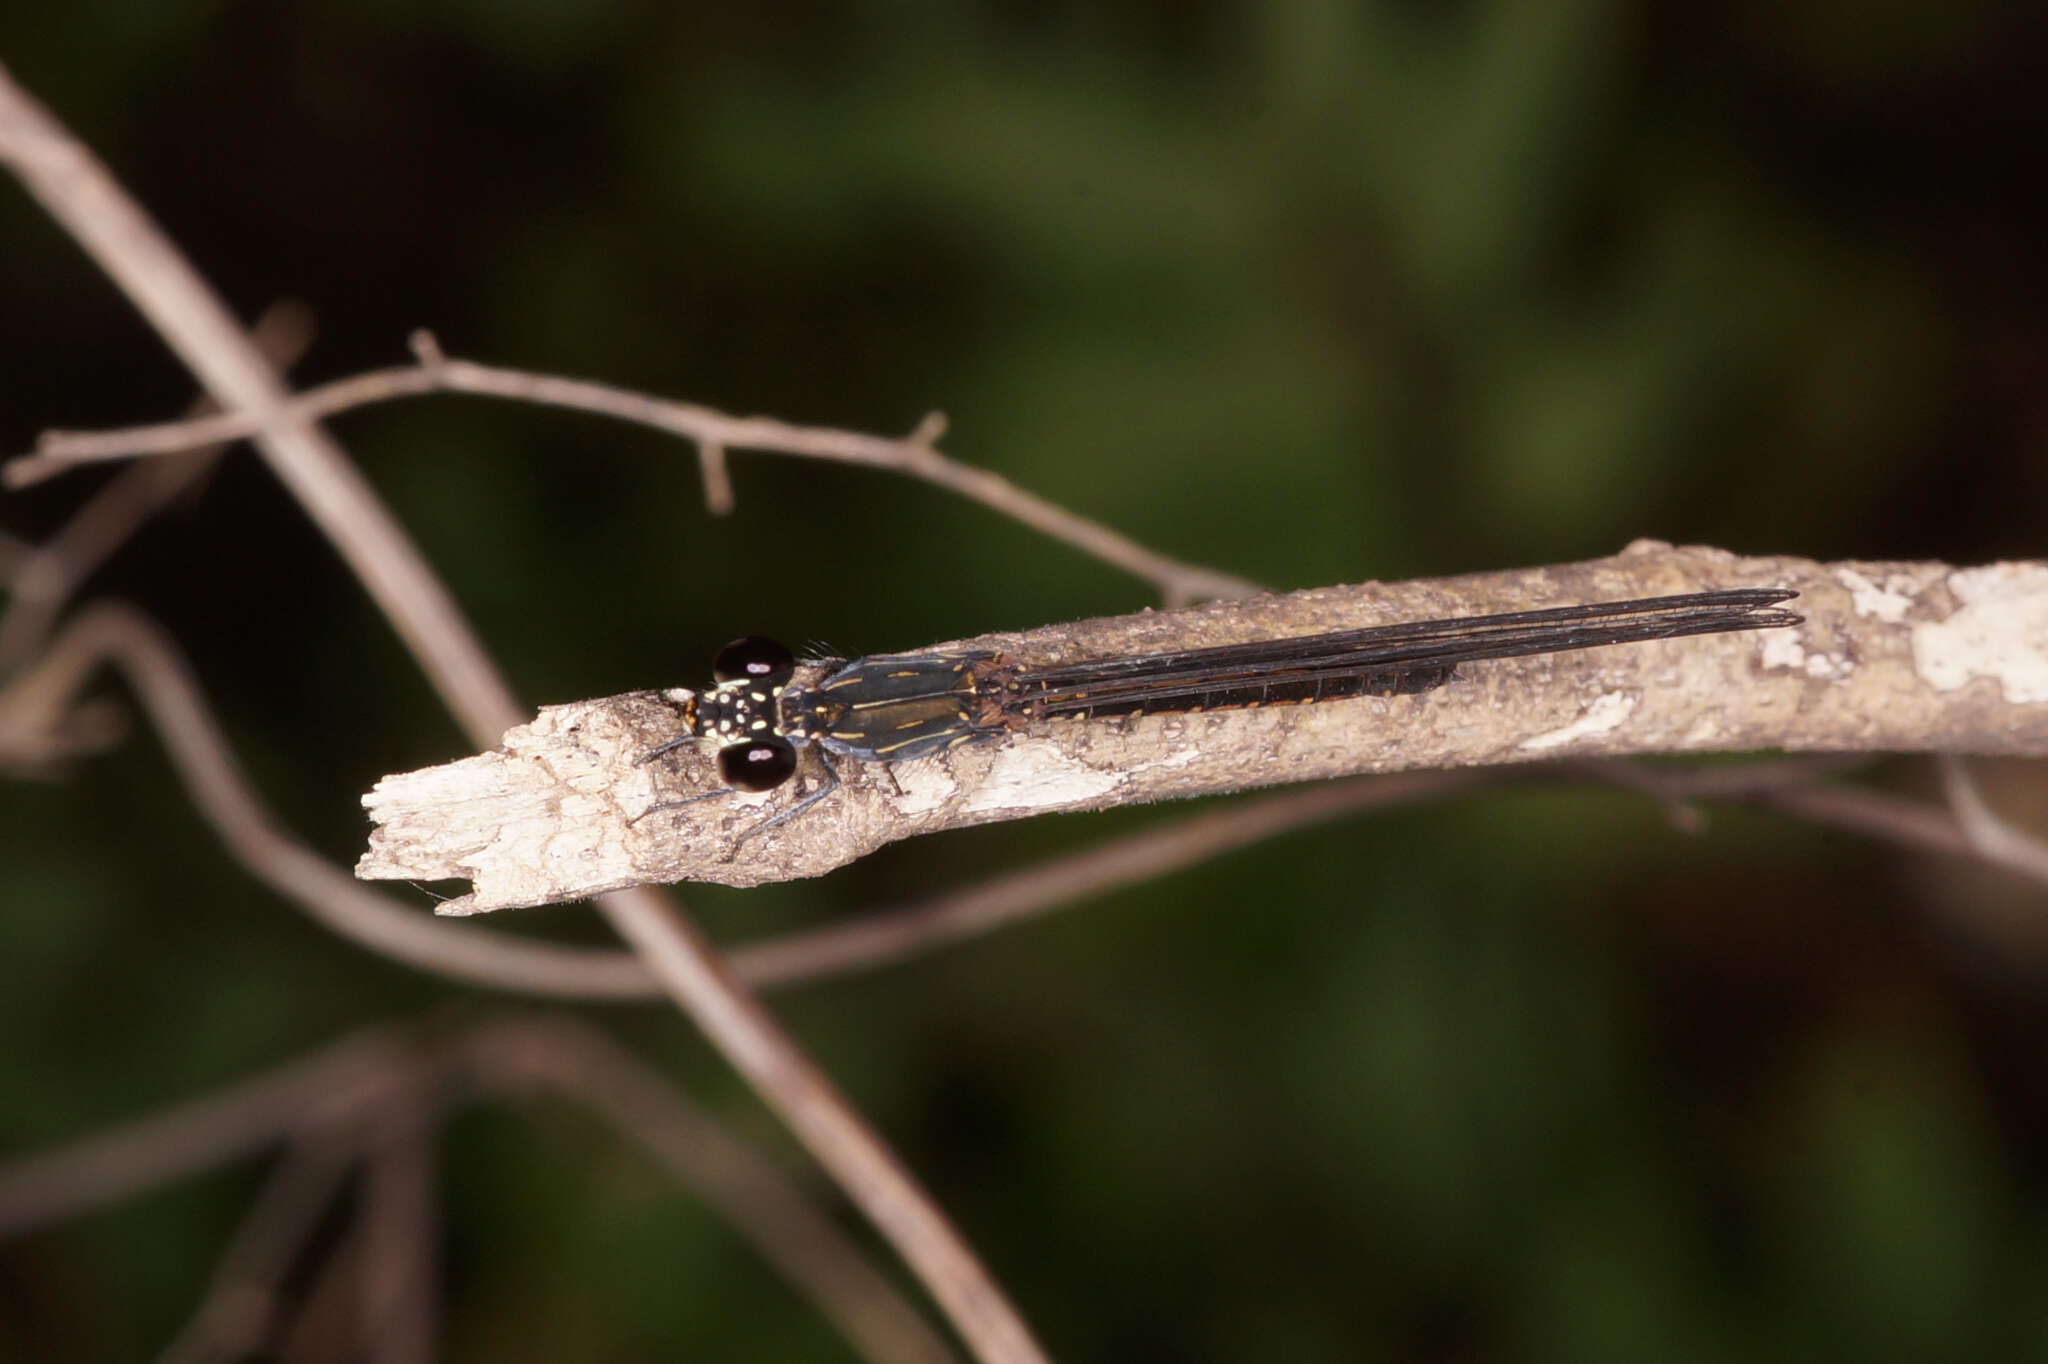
point(895, 707)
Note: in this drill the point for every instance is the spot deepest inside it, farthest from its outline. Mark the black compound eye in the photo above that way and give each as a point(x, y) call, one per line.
point(760, 765)
point(753, 659)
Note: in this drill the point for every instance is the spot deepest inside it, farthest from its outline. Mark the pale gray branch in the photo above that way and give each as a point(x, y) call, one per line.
point(1891, 657)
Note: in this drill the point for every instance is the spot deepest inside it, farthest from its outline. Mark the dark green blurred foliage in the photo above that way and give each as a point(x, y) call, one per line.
point(1314, 292)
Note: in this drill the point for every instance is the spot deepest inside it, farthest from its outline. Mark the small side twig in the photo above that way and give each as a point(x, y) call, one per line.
point(718, 495)
point(1679, 793)
point(1890, 819)
point(1989, 836)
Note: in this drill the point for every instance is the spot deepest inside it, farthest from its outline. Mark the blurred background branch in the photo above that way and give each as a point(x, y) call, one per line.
point(378, 1098)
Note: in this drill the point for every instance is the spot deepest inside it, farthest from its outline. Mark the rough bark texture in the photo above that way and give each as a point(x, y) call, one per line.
point(1892, 656)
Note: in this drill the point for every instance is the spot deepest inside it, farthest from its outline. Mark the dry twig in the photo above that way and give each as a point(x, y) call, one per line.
point(712, 431)
point(1948, 659)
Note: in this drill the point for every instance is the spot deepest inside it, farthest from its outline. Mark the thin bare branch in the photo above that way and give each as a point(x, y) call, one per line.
point(240, 1307)
point(886, 936)
point(1990, 837)
point(829, 1127)
point(400, 1281)
point(1678, 791)
point(337, 1085)
point(750, 1192)
point(883, 937)
point(33, 728)
point(326, 1328)
point(1890, 819)
point(915, 455)
point(383, 1090)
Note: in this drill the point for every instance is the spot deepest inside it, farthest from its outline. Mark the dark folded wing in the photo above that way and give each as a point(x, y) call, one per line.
point(1378, 660)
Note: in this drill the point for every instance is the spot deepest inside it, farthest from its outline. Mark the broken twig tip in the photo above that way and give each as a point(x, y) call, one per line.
point(929, 431)
point(426, 348)
point(718, 494)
